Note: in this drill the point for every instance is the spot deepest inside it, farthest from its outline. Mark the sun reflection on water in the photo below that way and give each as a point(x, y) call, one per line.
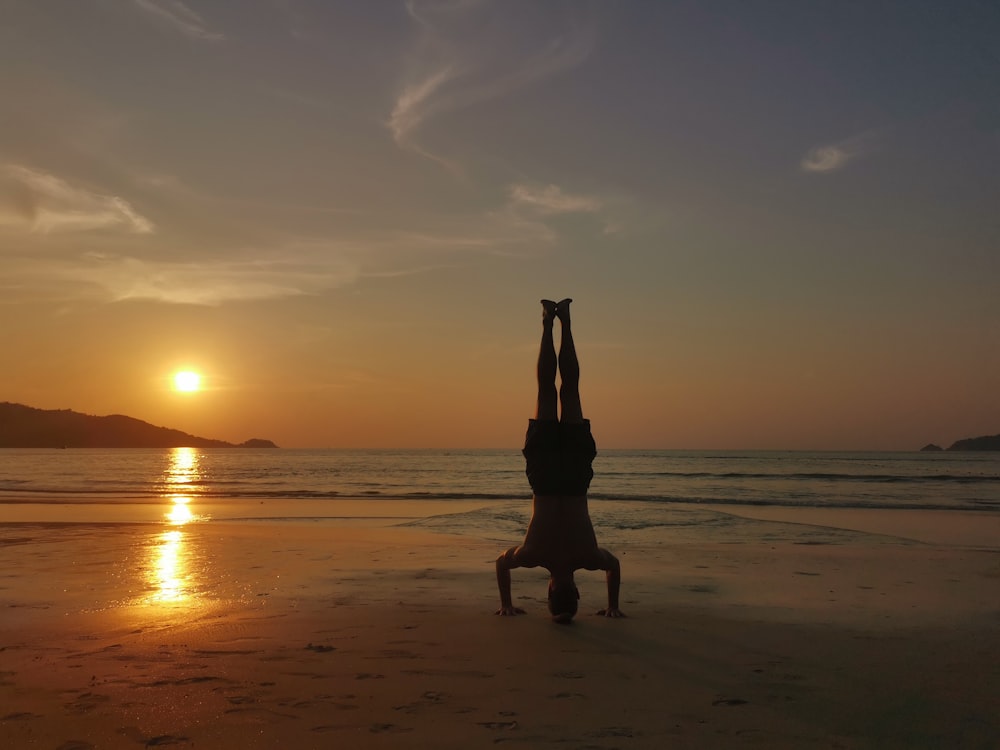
point(183, 469)
point(171, 570)
point(180, 513)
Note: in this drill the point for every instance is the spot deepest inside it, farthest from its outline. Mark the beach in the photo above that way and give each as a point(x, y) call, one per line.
point(376, 628)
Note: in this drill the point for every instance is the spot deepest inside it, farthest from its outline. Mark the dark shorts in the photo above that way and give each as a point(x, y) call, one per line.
point(559, 457)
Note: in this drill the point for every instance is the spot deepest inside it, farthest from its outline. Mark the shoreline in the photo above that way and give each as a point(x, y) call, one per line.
point(379, 630)
point(958, 526)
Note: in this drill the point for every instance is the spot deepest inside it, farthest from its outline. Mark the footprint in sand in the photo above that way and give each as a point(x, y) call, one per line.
point(166, 739)
point(320, 649)
point(87, 702)
point(702, 588)
point(430, 697)
point(329, 727)
point(613, 732)
point(498, 725)
point(192, 680)
point(379, 728)
point(729, 702)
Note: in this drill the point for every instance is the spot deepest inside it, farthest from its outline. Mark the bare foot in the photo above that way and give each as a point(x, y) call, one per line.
point(611, 612)
point(509, 611)
point(549, 311)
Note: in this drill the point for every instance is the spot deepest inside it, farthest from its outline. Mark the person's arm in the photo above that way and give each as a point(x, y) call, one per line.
point(609, 563)
point(505, 562)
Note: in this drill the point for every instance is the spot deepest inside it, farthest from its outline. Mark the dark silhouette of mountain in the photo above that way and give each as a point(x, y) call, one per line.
point(26, 427)
point(932, 447)
point(984, 443)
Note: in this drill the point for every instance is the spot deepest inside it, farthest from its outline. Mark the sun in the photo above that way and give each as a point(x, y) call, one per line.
point(187, 381)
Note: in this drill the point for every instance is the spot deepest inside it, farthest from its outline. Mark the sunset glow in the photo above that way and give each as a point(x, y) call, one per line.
point(187, 381)
point(353, 209)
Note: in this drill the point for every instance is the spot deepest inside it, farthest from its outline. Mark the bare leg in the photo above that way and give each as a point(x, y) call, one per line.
point(546, 409)
point(569, 368)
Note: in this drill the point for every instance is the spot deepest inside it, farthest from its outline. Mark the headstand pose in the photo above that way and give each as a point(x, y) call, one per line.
point(559, 453)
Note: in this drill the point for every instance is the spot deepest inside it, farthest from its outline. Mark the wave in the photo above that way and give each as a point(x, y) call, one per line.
point(70, 497)
point(812, 476)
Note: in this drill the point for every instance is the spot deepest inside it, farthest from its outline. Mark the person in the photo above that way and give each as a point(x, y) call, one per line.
point(559, 450)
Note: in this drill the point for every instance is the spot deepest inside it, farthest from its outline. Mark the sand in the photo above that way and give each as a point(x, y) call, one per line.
point(375, 630)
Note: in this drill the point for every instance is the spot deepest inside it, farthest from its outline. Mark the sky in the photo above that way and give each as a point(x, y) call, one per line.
point(778, 220)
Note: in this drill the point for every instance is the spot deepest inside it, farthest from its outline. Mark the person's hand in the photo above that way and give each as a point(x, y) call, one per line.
point(509, 611)
point(611, 612)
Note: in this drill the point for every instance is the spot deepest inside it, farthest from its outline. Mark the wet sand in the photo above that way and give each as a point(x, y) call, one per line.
point(376, 629)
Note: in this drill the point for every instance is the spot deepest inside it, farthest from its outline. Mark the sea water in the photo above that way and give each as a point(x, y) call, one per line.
point(941, 481)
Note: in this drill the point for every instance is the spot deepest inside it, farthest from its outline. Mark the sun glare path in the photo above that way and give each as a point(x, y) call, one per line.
point(180, 514)
point(168, 575)
point(187, 381)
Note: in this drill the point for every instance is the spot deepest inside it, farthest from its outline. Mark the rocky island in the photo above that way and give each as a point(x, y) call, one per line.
point(26, 427)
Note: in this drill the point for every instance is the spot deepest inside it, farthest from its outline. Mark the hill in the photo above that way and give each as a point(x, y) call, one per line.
point(26, 427)
point(984, 443)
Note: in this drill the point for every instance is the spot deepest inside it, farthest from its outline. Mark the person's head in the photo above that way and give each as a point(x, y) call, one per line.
point(563, 598)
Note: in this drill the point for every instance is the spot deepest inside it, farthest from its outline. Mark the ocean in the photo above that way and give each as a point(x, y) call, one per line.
point(940, 481)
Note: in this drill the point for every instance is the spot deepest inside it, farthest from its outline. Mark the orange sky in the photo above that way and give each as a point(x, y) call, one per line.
point(779, 227)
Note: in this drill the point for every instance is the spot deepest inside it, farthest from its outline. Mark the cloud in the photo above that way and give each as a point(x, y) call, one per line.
point(531, 205)
point(418, 8)
point(550, 199)
point(825, 159)
point(211, 282)
point(834, 156)
point(468, 52)
point(180, 17)
point(41, 202)
point(415, 104)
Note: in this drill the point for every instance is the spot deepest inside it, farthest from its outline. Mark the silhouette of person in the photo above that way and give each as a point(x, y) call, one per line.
point(558, 453)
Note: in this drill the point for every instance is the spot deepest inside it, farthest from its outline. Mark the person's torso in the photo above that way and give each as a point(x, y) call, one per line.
point(560, 536)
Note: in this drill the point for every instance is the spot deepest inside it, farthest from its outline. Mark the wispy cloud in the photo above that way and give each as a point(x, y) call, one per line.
point(179, 16)
point(457, 64)
point(825, 159)
point(212, 282)
point(530, 206)
point(41, 202)
point(415, 104)
point(834, 156)
point(421, 10)
point(550, 199)
point(503, 232)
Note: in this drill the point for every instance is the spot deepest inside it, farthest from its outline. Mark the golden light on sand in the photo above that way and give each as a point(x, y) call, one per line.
point(180, 513)
point(168, 575)
point(187, 381)
point(172, 569)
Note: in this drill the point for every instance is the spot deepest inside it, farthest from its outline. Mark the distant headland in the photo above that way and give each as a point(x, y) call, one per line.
point(26, 427)
point(984, 443)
